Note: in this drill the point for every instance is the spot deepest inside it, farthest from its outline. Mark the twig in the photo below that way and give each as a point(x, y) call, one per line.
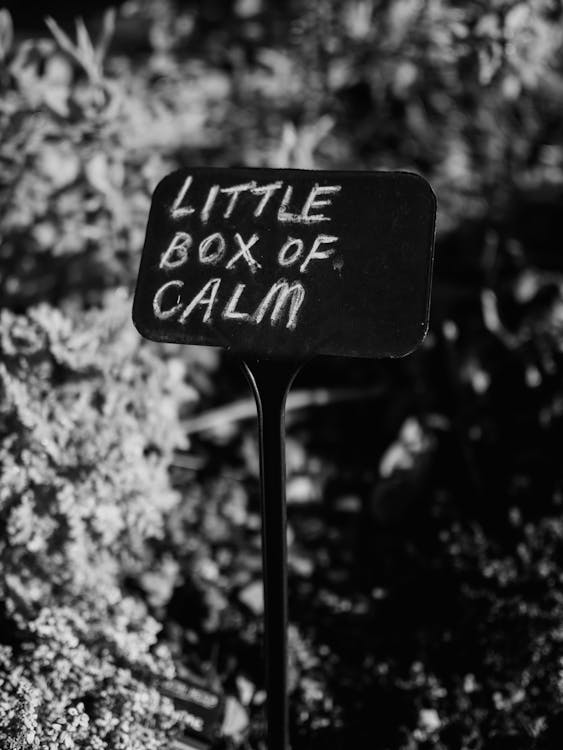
point(243, 409)
point(89, 56)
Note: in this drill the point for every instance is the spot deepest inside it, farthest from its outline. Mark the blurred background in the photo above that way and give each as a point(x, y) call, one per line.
point(425, 495)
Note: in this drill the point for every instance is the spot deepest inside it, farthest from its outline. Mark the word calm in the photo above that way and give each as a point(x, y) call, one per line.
point(241, 254)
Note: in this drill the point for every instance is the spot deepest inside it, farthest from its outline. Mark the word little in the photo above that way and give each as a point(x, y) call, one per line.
point(225, 200)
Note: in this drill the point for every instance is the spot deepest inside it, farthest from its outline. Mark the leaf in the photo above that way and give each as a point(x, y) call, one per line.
point(6, 33)
point(236, 719)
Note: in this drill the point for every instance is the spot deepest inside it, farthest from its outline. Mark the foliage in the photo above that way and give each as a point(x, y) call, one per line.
point(471, 98)
point(81, 153)
point(412, 555)
point(89, 422)
point(73, 681)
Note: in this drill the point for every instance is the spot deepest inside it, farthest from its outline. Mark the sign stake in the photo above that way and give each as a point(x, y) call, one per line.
point(270, 381)
point(277, 266)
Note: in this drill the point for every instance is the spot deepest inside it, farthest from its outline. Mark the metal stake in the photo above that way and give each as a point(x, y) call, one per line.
point(270, 381)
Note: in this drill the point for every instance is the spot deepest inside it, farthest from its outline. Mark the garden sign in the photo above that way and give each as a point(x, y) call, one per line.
point(277, 265)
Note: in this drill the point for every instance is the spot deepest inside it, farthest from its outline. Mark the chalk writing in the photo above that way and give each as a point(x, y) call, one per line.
point(230, 312)
point(208, 205)
point(266, 191)
point(205, 296)
point(282, 292)
point(285, 213)
point(244, 252)
point(177, 209)
point(282, 302)
point(159, 296)
point(177, 252)
point(281, 296)
point(288, 263)
point(212, 248)
point(322, 239)
point(285, 258)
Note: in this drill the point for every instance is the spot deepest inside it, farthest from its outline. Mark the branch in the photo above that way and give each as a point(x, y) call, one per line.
point(243, 409)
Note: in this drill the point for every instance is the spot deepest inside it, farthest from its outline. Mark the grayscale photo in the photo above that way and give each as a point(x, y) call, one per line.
point(281, 375)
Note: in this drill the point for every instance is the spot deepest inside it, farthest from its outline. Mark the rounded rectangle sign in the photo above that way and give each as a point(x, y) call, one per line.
point(288, 263)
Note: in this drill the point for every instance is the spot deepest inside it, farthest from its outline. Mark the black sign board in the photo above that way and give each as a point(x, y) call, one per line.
point(288, 263)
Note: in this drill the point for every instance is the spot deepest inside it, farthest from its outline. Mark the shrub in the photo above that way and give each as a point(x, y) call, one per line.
point(89, 421)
